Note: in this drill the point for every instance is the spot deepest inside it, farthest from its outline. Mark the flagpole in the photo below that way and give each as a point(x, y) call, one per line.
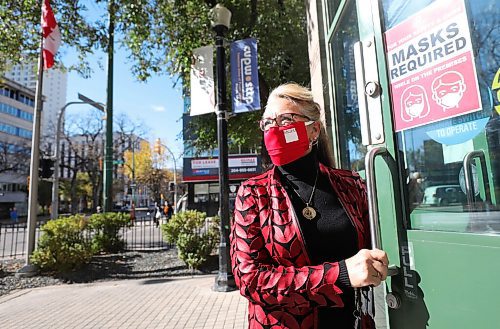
point(29, 269)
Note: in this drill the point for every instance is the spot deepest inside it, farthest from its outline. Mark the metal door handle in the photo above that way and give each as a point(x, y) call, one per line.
point(371, 190)
point(469, 184)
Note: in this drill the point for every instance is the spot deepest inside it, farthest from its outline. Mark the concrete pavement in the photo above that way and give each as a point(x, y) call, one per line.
point(154, 303)
point(175, 303)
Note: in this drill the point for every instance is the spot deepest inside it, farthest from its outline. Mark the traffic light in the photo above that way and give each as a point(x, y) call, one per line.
point(46, 168)
point(171, 186)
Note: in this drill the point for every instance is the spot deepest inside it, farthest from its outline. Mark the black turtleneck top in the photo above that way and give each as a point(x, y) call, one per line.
point(329, 237)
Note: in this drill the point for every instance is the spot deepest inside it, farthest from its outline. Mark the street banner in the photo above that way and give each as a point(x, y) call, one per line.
point(202, 81)
point(244, 76)
point(431, 66)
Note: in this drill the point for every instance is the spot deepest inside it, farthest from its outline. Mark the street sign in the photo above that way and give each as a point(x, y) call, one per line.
point(118, 162)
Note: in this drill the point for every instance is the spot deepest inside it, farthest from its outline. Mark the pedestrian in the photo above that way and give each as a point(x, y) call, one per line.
point(157, 215)
point(13, 215)
point(170, 210)
point(132, 213)
point(300, 236)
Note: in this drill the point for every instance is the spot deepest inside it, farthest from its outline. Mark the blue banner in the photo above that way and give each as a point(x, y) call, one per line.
point(244, 76)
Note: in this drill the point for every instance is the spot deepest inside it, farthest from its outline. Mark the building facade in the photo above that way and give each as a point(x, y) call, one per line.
point(16, 125)
point(54, 90)
point(200, 172)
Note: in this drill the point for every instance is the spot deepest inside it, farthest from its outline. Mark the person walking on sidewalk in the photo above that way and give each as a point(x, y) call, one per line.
point(157, 214)
point(300, 234)
point(13, 215)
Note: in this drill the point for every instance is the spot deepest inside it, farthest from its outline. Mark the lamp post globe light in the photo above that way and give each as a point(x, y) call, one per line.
point(221, 17)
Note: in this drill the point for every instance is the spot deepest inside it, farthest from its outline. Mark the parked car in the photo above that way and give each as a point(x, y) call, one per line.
point(120, 208)
point(443, 195)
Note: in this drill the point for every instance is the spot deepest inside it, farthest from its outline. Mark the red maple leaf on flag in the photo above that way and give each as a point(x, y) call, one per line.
point(51, 35)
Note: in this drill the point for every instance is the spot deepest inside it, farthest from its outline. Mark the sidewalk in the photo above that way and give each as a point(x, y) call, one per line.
point(173, 303)
point(154, 303)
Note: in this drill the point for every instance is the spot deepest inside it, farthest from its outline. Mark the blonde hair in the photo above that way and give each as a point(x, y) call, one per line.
point(303, 97)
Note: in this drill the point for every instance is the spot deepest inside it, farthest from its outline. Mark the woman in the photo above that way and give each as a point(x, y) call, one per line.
point(300, 229)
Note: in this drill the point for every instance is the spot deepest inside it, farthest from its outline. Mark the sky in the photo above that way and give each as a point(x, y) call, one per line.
point(156, 104)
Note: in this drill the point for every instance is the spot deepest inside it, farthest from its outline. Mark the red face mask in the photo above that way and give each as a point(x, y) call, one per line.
point(286, 144)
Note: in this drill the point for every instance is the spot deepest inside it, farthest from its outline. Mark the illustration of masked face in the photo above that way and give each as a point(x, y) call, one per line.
point(449, 96)
point(414, 105)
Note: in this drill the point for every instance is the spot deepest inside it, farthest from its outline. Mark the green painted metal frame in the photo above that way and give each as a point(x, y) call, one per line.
point(395, 226)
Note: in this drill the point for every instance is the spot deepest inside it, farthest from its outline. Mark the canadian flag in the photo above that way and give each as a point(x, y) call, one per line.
point(51, 35)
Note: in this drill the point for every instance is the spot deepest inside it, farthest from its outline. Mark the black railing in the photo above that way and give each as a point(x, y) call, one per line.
point(13, 239)
point(144, 235)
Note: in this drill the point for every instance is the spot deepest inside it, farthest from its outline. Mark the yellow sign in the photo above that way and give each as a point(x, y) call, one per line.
point(496, 85)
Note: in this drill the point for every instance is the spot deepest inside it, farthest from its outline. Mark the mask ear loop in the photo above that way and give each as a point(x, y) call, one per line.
point(315, 141)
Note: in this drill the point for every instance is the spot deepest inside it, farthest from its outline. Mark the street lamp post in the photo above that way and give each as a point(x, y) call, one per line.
point(55, 185)
point(159, 144)
point(133, 203)
point(221, 17)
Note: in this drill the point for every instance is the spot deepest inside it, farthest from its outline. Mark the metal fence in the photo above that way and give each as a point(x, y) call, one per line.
point(143, 235)
point(13, 239)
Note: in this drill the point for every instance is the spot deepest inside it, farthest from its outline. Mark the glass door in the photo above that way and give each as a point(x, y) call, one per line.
point(425, 130)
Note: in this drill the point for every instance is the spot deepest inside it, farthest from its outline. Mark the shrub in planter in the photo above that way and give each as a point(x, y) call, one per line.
point(106, 228)
point(63, 245)
point(194, 235)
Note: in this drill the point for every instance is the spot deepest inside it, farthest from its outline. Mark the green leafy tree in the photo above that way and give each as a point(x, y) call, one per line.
point(160, 36)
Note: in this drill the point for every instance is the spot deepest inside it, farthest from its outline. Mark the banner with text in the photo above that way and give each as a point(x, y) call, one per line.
point(431, 66)
point(244, 76)
point(202, 81)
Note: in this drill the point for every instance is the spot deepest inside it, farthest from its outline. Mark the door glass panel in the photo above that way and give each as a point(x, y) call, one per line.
point(444, 79)
point(332, 6)
point(352, 151)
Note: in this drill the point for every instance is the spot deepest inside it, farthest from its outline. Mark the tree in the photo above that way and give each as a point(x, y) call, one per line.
point(14, 157)
point(148, 169)
point(161, 35)
point(83, 137)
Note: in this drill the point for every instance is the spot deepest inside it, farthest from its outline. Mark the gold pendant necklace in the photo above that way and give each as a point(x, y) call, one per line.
point(309, 212)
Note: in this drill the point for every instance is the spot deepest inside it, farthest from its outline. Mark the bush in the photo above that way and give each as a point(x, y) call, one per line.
point(194, 235)
point(63, 245)
point(106, 227)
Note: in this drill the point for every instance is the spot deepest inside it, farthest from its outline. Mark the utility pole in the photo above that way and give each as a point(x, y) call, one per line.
point(108, 153)
point(158, 146)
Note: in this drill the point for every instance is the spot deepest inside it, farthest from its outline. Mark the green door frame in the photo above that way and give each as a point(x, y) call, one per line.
point(397, 237)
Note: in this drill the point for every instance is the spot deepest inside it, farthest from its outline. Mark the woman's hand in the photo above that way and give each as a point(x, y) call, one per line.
point(367, 267)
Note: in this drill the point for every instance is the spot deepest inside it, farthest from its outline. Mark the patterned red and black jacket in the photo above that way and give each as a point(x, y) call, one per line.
point(269, 259)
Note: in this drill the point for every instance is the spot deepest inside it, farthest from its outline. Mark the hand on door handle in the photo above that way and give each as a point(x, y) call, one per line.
point(367, 267)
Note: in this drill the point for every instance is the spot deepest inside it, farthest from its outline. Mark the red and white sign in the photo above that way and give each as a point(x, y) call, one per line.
point(232, 162)
point(242, 162)
point(431, 66)
point(205, 163)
